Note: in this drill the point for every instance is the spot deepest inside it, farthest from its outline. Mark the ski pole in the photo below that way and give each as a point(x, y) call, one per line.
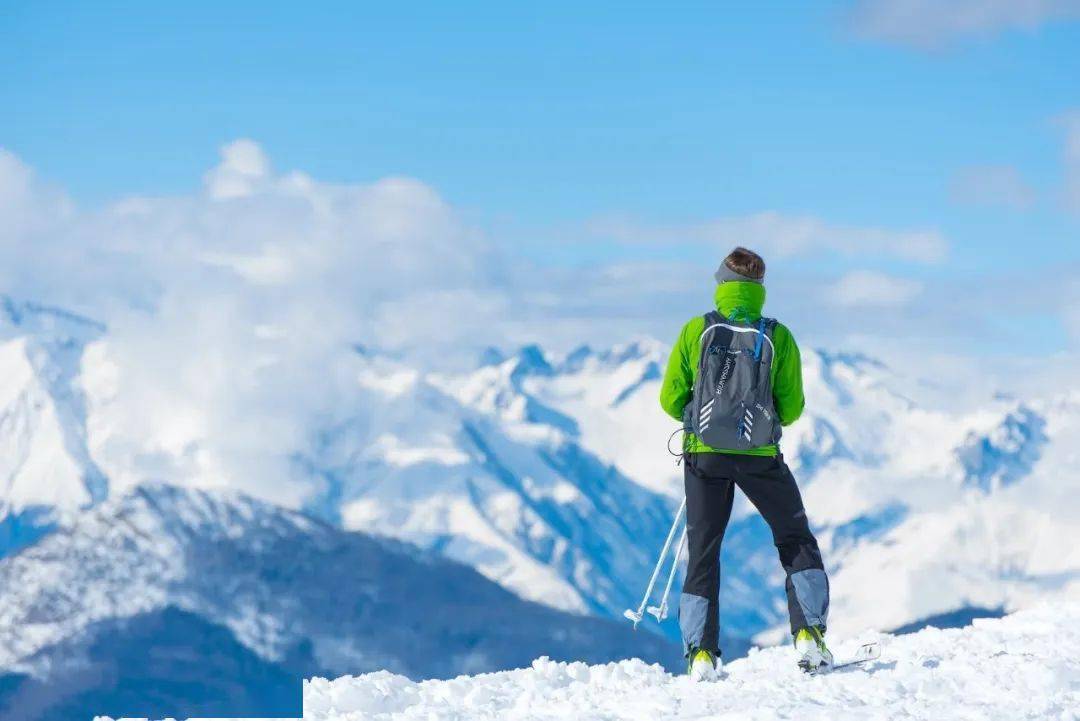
point(640, 613)
point(661, 611)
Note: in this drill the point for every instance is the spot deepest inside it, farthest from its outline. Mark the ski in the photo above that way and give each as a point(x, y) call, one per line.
point(867, 652)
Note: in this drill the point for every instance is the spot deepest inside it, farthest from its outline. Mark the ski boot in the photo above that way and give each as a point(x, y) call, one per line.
point(814, 655)
point(703, 666)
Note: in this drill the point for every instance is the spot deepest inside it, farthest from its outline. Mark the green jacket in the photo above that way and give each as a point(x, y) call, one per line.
point(741, 301)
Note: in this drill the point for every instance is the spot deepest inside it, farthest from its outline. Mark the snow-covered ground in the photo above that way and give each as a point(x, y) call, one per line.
point(1023, 666)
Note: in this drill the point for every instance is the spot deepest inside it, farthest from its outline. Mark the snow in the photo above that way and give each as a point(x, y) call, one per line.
point(395, 452)
point(488, 476)
point(614, 395)
point(1021, 666)
point(45, 465)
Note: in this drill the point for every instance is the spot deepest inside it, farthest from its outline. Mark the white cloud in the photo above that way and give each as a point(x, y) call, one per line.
point(992, 186)
point(28, 207)
point(929, 24)
point(867, 288)
point(232, 313)
point(243, 167)
point(785, 236)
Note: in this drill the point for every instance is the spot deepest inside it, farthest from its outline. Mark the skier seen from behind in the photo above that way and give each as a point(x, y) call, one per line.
point(734, 378)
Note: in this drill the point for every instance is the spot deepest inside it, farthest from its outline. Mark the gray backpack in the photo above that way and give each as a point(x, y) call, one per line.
point(732, 406)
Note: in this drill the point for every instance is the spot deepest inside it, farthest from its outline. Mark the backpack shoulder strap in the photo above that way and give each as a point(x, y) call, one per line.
point(765, 328)
point(714, 322)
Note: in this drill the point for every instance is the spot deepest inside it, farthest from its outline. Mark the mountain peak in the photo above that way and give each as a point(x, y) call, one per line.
point(637, 349)
point(177, 511)
point(46, 462)
point(491, 356)
point(531, 360)
point(27, 318)
point(1004, 454)
point(577, 357)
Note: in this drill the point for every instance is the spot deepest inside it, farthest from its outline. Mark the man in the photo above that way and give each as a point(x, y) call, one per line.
point(734, 378)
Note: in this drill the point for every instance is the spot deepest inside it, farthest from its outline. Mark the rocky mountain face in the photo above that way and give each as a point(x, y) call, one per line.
point(172, 601)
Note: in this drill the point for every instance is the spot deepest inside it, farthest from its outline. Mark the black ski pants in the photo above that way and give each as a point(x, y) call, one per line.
point(710, 480)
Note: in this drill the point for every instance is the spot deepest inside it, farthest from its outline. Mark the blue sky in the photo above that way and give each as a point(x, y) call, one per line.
point(547, 126)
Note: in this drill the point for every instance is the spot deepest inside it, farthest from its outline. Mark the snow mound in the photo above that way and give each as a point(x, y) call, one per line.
point(1020, 666)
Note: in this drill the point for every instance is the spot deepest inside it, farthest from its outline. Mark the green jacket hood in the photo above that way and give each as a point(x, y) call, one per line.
point(739, 300)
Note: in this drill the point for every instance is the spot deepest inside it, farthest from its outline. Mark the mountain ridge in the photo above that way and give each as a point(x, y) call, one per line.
point(549, 474)
point(276, 594)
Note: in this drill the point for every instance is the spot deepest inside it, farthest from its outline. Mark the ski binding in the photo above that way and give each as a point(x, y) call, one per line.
point(867, 652)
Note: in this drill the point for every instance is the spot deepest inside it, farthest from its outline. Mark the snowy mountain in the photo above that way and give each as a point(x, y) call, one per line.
point(932, 509)
point(171, 601)
point(1005, 669)
point(512, 492)
point(527, 505)
point(46, 468)
point(922, 508)
point(605, 400)
point(549, 474)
